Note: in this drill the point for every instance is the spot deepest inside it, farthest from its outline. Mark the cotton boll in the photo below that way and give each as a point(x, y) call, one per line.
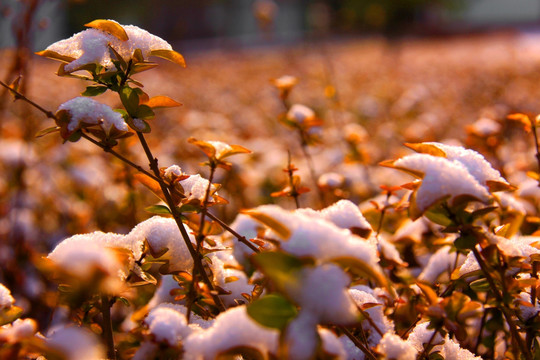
point(81, 256)
point(323, 292)
point(346, 215)
point(469, 265)
point(352, 352)
point(421, 335)
point(91, 46)
point(527, 312)
point(232, 328)
point(18, 330)
point(388, 250)
point(395, 348)
point(220, 148)
point(441, 261)
point(475, 163)
point(331, 344)
point(441, 177)
point(163, 291)
point(167, 323)
point(319, 238)
point(452, 351)
point(89, 111)
point(248, 228)
point(301, 336)
point(6, 300)
point(299, 113)
point(163, 234)
point(375, 313)
point(224, 277)
point(195, 187)
point(76, 343)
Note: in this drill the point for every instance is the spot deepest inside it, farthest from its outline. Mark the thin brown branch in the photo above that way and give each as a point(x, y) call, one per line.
point(19, 96)
point(107, 326)
point(358, 343)
point(177, 217)
point(240, 238)
point(507, 315)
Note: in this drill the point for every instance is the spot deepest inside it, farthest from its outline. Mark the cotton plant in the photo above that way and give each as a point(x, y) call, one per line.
point(442, 267)
point(306, 269)
point(456, 189)
point(108, 55)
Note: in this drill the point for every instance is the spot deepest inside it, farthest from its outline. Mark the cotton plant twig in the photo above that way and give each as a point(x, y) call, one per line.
point(106, 304)
point(358, 343)
point(153, 163)
point(108, 149)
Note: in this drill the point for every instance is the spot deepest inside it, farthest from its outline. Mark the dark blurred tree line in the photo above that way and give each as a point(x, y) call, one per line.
point(188, 19)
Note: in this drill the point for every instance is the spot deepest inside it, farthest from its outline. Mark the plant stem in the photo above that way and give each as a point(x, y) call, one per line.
point(311, 166)
point(107, 327)
point(510, 321)
point(201, 235)
point(177, 217)
point(240, 238)
point(109, 150)
point(357, 343)
point(19, 96)
point(290, 172)
point(425, 352)
point(537, 147)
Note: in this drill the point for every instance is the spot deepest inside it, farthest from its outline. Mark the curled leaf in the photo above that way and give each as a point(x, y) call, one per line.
point(111, 27)
point(161, 101)
point(279, 228)
point(170, 55)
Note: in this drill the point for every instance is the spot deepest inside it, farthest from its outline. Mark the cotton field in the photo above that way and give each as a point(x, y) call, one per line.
point(361, 199)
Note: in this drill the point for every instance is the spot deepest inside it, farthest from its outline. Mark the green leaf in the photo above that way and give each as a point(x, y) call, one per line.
point(465, 242)
point(281, 268)
point(123, 300)
point(145, 112)
point(273, 311)
point(130, 100)
point(439, 216)
point(480, 285)
point(47, 131)
point(94, 90)
point(158, 209)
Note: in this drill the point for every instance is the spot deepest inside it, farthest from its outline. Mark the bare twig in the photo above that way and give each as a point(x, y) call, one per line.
point(357, 343)
point(107, 326)
point(177, 217)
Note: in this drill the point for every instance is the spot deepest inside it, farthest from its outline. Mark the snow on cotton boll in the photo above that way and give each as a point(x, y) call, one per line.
point(229, 278)
point(441, 261)
point(6, 300)
point(83, 112)
point(231, 329)
point(84, 256)
point(248, 228)
point(440, 178)
point(322, 292)
point(395, 348)
point(76, 343)
point(309, 236)
point(475, 163)
point(167, 323)
point(165, 241)
point(91, 46)
point(18, 330)
point(375, 313)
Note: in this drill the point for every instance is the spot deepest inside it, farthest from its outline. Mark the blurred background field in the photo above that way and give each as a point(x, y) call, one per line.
point(376, 76)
